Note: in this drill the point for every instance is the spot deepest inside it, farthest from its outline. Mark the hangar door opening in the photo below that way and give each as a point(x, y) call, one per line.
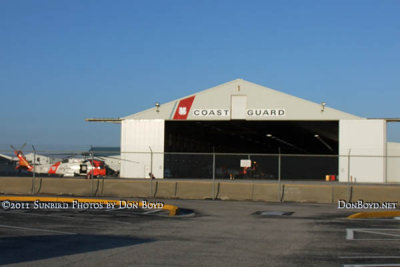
point(306, 150)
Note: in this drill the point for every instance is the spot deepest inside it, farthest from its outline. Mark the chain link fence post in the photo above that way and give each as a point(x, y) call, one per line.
point(348, 177)
point(151, 171)
point(279, 174)
point(34, 170)
point(213, 187)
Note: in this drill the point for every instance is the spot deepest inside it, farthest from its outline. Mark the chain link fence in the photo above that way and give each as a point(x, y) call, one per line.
point(227, 166)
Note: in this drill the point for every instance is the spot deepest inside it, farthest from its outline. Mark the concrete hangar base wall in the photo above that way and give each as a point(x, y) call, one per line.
point(231, 114)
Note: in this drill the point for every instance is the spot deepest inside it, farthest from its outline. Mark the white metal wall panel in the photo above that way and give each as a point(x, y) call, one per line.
point(138, 138)
point(393, 162)
point(366, 142)
point(238, 107)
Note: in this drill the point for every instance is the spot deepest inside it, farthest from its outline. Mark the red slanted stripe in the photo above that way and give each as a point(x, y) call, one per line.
point(54, 167)
point(182, 111)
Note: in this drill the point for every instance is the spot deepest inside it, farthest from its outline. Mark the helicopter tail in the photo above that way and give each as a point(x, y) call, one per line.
point(22, 163)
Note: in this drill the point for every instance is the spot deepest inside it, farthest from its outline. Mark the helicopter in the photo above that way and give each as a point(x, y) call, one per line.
point(66, 167)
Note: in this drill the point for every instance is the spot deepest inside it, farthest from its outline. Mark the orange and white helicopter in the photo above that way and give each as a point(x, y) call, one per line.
point(67, 167)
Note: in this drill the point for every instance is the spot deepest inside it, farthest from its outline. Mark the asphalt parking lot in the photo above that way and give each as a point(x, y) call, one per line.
point(222, 233)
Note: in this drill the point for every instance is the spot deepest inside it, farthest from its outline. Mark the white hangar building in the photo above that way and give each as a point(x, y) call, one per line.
point(243, 117)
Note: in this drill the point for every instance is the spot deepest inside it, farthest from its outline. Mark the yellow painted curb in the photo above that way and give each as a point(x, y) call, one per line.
point(171, 208)
point(375, 214)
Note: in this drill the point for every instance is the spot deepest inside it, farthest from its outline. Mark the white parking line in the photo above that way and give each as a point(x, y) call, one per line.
point(375, 231)
point(36, 229)
point(67, 217)
point(376, 265)
point(380, 233)
point(349, 234)
point(369, 257)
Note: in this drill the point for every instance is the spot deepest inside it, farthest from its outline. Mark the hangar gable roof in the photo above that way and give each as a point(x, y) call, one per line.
point(240, 99)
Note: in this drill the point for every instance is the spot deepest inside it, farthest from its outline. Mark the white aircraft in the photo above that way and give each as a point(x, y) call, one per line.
point(68, 167)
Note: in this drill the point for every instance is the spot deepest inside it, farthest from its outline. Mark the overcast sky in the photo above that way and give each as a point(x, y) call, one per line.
point(64, 61)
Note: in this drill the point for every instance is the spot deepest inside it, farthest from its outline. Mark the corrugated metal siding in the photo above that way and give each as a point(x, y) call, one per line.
point(366, 141)
point(393, 162)
point(137, 137)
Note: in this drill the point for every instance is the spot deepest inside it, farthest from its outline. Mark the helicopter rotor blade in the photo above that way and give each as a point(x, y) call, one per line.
point(22, 147)
point(116, 158)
